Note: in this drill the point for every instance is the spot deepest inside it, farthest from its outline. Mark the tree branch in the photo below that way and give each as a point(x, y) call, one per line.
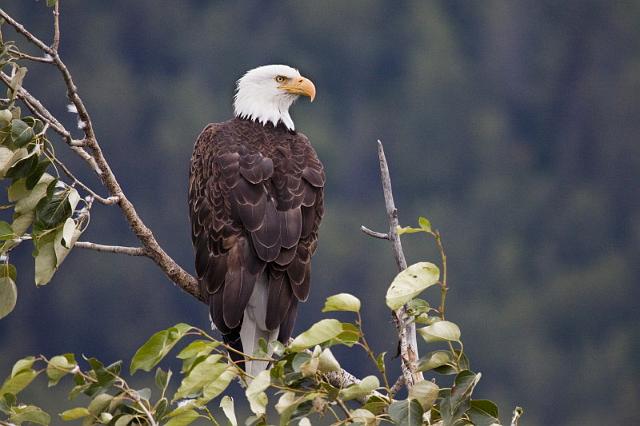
point(152, 249)
point(406, 329)
point(56, 27)
point(106, 201)
point(374, 234)
point(40, 111)
point(131, 251)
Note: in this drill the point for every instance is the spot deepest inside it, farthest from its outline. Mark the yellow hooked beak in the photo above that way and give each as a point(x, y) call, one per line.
point(300, 86)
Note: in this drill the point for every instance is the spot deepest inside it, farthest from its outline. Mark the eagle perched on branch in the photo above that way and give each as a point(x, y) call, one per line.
point(256, 201)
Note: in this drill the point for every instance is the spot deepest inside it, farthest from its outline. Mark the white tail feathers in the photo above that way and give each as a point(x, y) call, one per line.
point(254, 325)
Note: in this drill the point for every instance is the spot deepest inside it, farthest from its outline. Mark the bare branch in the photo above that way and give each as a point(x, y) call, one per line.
point(40, 111)
point(56, 27)
point(21, 55)
point(153, 250)
point(374, 234)
point(406, 329)
point(131, 251)
point(102, 200)
point(22, 30)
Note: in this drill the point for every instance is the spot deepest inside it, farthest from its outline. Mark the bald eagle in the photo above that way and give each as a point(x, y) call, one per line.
point(256, 201)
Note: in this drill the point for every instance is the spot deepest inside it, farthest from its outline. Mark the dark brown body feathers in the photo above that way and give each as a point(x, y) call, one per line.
point(256, 201)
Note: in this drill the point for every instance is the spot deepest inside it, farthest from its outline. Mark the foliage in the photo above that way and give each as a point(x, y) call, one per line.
point(45, 209)
point(298, 377)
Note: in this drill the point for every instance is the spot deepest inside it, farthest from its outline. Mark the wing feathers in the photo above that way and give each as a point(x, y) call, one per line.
point(255, 198)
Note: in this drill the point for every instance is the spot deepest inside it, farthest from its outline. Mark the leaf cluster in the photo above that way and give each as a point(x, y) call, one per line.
point(298, 384)
point(42, 207)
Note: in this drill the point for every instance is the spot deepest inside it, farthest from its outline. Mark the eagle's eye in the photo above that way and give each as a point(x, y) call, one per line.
point(281, 79)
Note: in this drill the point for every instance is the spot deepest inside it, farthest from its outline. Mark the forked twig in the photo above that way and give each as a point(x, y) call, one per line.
point(406, 329)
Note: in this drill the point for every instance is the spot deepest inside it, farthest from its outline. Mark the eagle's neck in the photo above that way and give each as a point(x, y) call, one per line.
point(265, 109)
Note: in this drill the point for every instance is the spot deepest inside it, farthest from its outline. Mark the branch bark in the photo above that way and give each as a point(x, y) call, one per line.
point(131, 251)
point(406, 330)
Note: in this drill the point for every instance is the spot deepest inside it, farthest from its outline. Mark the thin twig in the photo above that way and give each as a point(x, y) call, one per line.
point(21, 55)
point(22, 30)
point(374, 234)
point(102, 200)
point(36, 107)
point(131, 251)
point(56, 27)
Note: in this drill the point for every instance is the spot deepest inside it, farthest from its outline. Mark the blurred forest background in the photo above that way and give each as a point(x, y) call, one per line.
point(512, 125)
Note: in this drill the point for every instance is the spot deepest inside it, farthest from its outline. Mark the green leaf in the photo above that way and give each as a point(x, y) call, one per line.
point(51, 3)
point(23, 167)
point(21, 133)
point(74, 414)
point(218, 384)
point(67, 234)
point(124, 420)
point(434, 360)
point(358, 390)
point(319, 332)
point(411, 282)
point(425, 392)
point(376, 404)
point(196, 351)
point(28, 200)
point(200, 376)
point(227, 407)
point(162, 378)
point(424, 223)
point(417, 307)
point(440, 331)
point(22, 365)
point(7, 159)
point(56, 207)
point(483, 413)
point(310, 367)
point(454, 406)
point(8, 270)
point(29, 413)
point(197, 348)
point(8, 296)
point(158, 345)
point(6, 233)
point(255, 392)
point(105, 376)
point(285, 406)
point(349, 336)
point(364, 417)
point(342, 302)
point(22, 222)
point(463, 386)
point(291, 405)
point(5, 117)
point(59, 366)
point(18, 382)
point(46, 261)
point(99, 403)
point(327, 362)
point(401, 230)
point(406, 413)
point(18, 74)
point(380, 361)
point(36, 173)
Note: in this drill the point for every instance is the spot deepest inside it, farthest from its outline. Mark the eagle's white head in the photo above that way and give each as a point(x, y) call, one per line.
point(264, 94)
